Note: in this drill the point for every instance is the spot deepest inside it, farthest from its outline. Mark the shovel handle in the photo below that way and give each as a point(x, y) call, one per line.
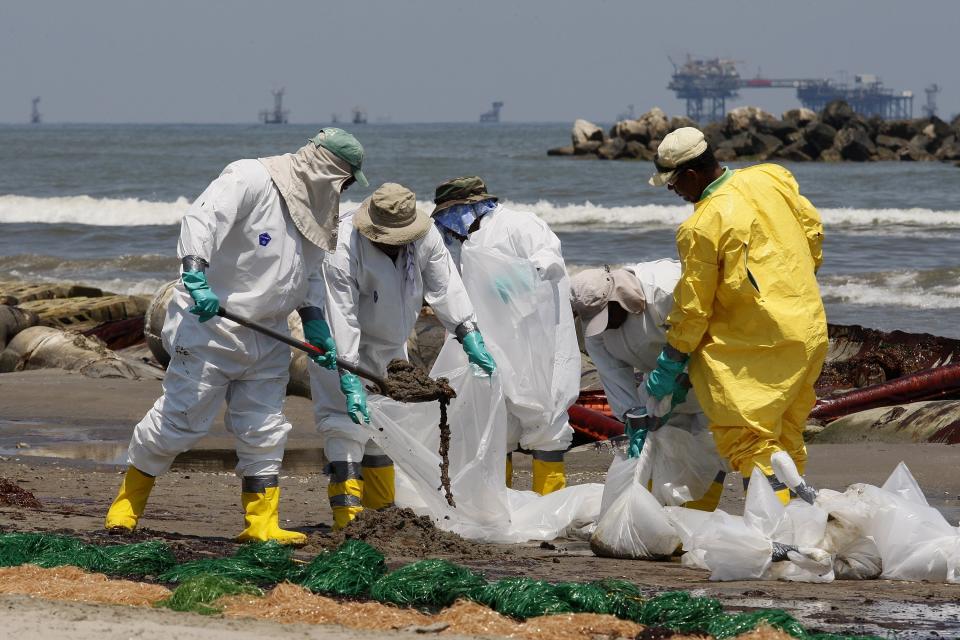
point(302, 346)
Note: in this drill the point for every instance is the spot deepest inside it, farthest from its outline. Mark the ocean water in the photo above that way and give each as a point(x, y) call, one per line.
point(100, 204)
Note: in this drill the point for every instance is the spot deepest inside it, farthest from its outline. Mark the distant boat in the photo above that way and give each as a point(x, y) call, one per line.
point(278, 115)
point(359, 115)
point(493, 115)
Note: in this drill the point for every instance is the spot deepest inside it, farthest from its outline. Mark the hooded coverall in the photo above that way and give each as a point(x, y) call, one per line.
point(633, 346)
point(261, 267)
point(372, 305)
point(521, 234)
point(748, 310)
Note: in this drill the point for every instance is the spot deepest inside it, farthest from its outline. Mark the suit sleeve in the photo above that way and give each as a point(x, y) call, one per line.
point(808, 217)
point(617, 377)
point(210, 218)
point(342, 295)
point(443, 289)
point(693, 298)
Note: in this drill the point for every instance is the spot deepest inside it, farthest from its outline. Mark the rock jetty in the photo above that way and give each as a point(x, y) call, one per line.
point(748, 133)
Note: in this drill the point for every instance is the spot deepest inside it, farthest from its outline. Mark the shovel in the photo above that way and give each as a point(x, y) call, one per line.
point(304, 346)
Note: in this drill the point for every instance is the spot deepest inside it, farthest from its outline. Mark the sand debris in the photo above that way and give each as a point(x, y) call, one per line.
point(13, 495)
point(71, 583)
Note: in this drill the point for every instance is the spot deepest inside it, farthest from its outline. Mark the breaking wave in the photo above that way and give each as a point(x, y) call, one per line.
point(86, 210)
point(929, 289)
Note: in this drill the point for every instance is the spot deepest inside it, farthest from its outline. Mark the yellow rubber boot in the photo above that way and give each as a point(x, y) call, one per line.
point(345, 501)
point(261, 506)
point(379, 489)
point(709, 500)
point(131, 500)
point(548, 472)
point(509, 477)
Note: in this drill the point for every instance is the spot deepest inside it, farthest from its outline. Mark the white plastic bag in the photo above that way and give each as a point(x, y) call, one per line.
point(486, 510)
point(632, 523)
point(519, 318)
point(679, 461)
point(741, 547)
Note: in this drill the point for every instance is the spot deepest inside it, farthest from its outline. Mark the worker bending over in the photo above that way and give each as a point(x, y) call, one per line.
point(747, 317)
point(255, 239)
point(389, 261)
point(468, 216)
point(623, 313)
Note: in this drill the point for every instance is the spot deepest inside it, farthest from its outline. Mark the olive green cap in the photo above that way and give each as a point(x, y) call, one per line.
point(463, 190)
point(344, 146)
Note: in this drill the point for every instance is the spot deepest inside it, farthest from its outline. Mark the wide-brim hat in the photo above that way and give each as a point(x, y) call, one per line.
point(390, 216)
point(463, 190)
point(592, 290)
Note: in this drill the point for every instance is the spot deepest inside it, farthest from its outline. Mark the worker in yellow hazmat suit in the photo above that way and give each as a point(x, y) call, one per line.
point(747, 310)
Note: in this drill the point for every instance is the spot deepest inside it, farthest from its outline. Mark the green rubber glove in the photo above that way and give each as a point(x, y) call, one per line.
point(317, 333)
point(207, 302)
point(637, 437)
point(356, 398)
point(662, 381)
point(504, 290)
point(477, 352)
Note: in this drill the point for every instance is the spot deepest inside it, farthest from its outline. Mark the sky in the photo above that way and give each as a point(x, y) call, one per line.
point(444, 60)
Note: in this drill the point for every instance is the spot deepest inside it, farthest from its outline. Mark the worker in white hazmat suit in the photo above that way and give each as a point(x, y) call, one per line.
point(623, 314)
point(469, 217)
point(389, 261)
point(254, 239)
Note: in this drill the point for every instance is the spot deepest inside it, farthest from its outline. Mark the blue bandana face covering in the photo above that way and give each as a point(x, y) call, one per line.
point(458, 218)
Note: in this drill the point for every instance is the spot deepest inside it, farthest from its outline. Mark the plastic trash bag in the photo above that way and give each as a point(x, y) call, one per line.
point(486, 510)
point(519, 316)
point(679, 461)
point(914, 539)
point(632, 523)
point(742, 547)
point(891, 531)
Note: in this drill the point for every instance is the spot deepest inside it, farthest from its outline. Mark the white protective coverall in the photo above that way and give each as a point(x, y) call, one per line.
point(634, 346)
point(372, 305)
point(522, 234)
point(260, 268)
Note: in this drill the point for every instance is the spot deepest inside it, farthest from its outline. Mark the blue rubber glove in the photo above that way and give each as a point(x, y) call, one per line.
point(207, 302)
point(662, 381)
point(356, 398)
point(317, 333)
point(477, 352)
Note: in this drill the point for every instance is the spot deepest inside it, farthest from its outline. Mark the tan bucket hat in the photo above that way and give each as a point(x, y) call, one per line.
point(592, 290)
point(390, 216)
point(678, 147)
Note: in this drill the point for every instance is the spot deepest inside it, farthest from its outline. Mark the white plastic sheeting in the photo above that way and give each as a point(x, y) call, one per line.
point(912, 539)
point(741, 547)
point(486, 510)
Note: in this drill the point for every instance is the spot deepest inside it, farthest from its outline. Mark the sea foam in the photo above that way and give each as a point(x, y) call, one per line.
point(86, 210)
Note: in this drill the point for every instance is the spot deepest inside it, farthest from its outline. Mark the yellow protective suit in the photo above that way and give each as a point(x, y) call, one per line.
point(748, 310)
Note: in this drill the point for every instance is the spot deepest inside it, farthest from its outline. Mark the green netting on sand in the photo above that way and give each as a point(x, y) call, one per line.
point(260, 563)
point(356, 569)
point(428, 583)
point(143, 558)
point(349, 571)
point(197, 594)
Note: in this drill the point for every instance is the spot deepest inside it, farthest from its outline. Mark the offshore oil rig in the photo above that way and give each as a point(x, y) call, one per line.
point(706, 84)
point(35, 117)
point(279, 115)
point(493, 115)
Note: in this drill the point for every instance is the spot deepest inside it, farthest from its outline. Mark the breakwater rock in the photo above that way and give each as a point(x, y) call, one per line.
point(835, 134)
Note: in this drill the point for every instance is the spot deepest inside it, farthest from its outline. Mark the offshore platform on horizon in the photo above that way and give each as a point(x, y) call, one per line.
point(706, 84)
point(278, 115)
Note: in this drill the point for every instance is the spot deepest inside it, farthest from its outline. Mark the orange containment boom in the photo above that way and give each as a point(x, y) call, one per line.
point(594, 424)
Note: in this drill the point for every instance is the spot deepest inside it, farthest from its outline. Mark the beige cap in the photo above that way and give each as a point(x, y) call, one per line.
point(678, 147)
point(390, 216)
point(592, 290)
